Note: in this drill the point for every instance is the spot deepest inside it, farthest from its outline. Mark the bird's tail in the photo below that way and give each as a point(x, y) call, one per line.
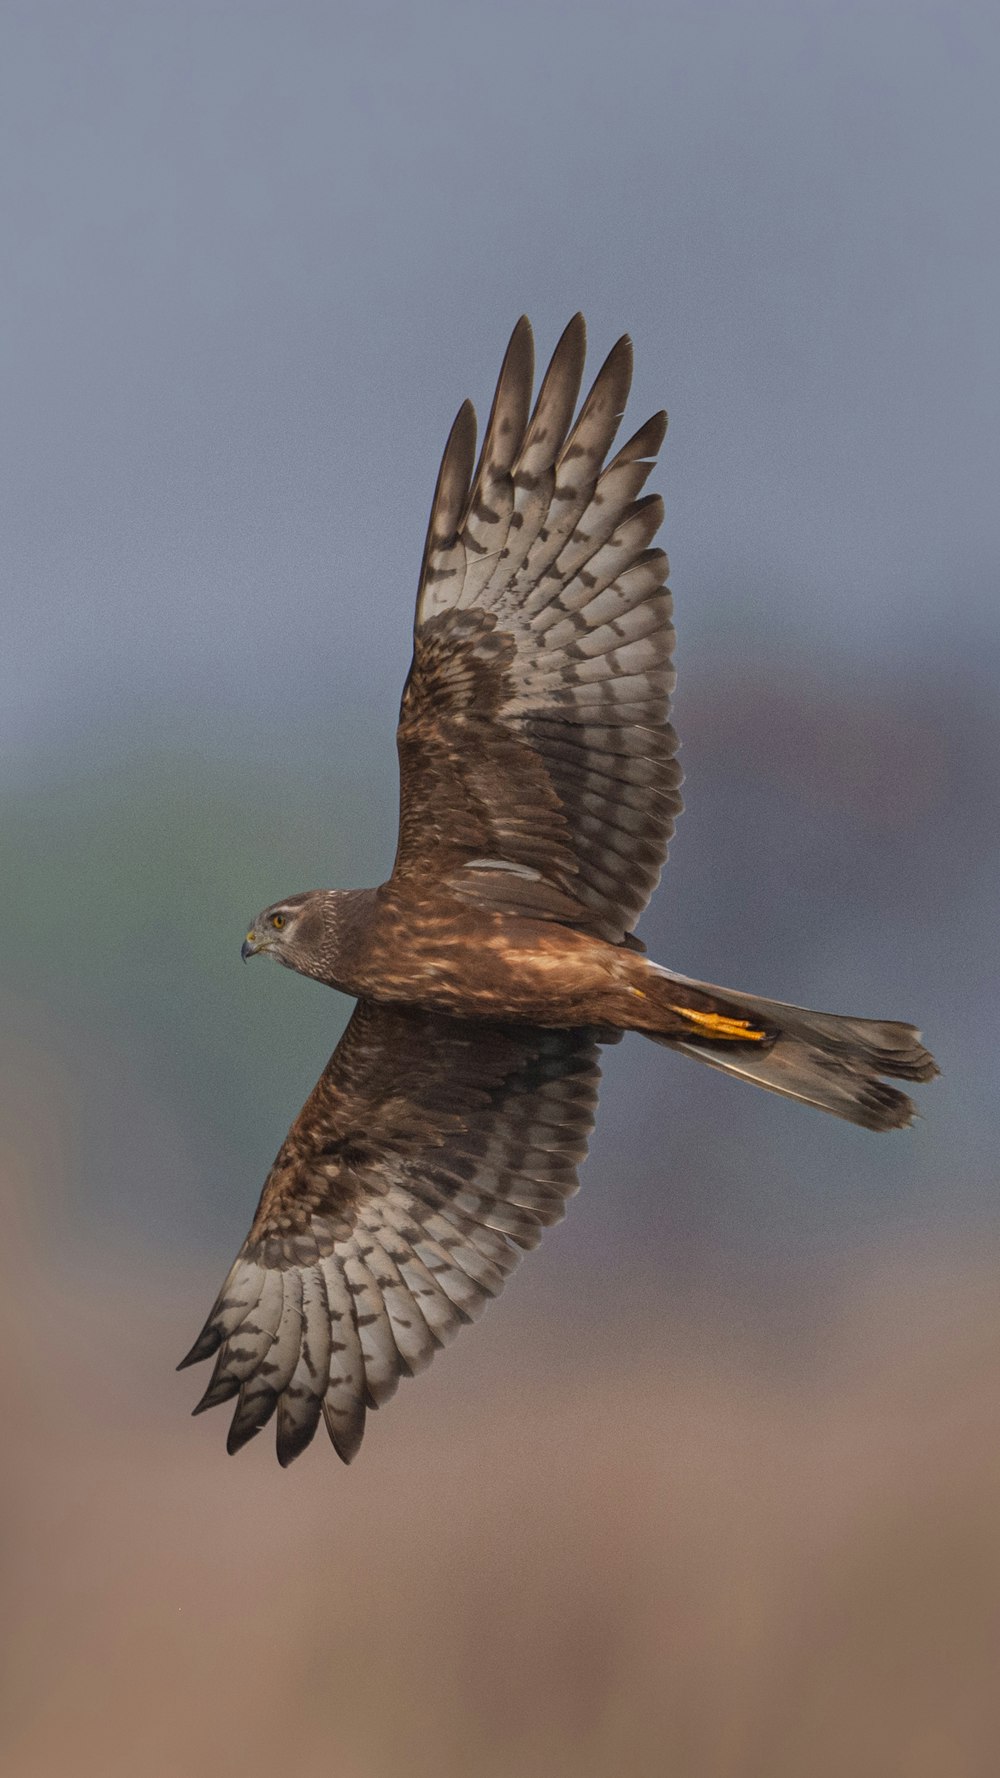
point(824, 1059)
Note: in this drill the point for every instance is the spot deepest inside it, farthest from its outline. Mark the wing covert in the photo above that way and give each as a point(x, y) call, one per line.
point(430, 1154)
point(533, 729)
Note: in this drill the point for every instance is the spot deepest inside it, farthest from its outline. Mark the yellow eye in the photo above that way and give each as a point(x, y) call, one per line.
point(277, 921)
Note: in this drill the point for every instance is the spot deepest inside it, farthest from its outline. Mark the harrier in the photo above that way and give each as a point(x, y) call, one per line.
point(538, 791)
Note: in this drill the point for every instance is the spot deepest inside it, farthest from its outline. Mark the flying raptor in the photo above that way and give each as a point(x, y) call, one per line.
point(538, 791)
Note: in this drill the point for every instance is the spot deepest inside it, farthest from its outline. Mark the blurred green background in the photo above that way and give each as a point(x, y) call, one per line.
point(713, 1490)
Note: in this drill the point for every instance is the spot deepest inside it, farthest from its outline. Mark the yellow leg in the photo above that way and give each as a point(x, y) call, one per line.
point(717, 1024)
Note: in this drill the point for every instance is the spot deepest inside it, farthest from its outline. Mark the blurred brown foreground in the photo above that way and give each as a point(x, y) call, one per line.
point(677, 1546)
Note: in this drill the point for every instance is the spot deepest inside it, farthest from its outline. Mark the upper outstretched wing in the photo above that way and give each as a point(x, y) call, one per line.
point(430, 1152)
point(536, 760)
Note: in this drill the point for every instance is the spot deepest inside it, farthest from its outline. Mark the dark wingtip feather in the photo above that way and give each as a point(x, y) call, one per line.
point(619, 361)
point(451, 489)
point(652, 508)
point(222, 1386)
point(518, 367)
point(645, 443)
point(346, 1440)
point(454, 475)
point(253, 1411)
point(214, 1396)
point(608, 396)
point(460, 450)
point(521, 336)
point(195, 1356)
point(237, 1438)
point(571, 346)
point(511, 405)
point(558, 394)
point(293, 1434)
point(289, 1447)
point(207, 1343)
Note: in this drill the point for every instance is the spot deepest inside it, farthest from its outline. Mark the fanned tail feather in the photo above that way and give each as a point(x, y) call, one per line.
point(824, 1059)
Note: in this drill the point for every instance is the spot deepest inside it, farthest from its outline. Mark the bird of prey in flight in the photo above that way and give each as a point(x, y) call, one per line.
point(538, 791)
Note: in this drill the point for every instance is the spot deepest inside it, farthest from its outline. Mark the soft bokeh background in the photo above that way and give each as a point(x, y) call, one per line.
point(716, 1489)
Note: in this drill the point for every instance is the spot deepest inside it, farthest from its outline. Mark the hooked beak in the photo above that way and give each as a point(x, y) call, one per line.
point(249, 947)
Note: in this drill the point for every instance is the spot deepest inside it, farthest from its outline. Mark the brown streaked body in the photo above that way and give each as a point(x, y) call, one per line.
point(538, 791)
point(396, 946)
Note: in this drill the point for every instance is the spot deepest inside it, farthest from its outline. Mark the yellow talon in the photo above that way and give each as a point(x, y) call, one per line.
point(721, 1026)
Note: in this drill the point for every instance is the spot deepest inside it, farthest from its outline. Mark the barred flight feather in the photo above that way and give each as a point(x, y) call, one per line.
point(378, 1346)
point(543, 593)
point(471, 1138)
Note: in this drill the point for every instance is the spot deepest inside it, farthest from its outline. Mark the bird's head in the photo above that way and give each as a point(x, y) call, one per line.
point(292, 931)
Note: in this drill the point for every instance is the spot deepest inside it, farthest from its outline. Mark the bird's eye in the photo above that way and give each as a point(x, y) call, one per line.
point(277, 921)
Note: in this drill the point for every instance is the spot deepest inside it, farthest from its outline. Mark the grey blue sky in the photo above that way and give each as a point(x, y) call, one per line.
point(255, 255)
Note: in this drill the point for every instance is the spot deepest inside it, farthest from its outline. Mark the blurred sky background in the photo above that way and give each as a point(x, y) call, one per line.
point(254, 257)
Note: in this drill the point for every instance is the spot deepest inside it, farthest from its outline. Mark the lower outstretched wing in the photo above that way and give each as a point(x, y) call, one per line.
point(430, 1154)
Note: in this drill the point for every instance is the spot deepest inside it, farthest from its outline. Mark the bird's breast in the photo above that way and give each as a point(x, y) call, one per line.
point(449, 958)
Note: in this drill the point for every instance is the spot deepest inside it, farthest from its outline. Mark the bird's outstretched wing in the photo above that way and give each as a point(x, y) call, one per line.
point(536, 760)
point(429, 1154)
